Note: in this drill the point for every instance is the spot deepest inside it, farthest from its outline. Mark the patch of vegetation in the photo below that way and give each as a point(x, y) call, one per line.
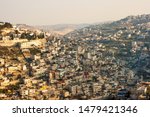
point(5, 25)
point(34, 51)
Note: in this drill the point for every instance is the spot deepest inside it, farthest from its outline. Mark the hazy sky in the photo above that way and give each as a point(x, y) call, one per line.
point(44, 12)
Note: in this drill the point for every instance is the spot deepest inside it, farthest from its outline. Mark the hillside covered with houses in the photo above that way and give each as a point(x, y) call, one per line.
point(102, 61)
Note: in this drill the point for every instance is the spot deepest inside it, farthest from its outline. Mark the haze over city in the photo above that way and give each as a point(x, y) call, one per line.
point(48, 12)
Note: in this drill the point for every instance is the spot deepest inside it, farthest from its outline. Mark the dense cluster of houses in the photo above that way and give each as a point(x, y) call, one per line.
point(13, 32)
point(91, 63)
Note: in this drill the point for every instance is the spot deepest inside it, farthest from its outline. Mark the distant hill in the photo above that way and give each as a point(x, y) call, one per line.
point(61, 29)
point(25, 26)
